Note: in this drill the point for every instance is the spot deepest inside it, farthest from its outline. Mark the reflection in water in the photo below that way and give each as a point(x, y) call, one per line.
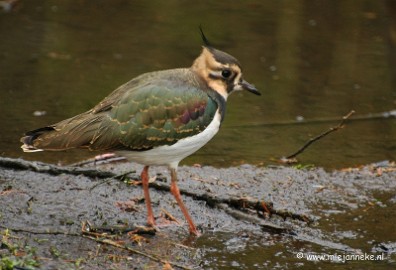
point(314, 59)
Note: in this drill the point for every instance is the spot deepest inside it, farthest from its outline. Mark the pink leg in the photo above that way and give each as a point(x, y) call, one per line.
point(175, 191)
point(145, 182)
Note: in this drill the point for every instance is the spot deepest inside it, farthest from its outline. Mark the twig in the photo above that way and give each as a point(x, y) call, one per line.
point(287, 214)
point(370, 116)
point(332, 129)
point(135, 229)
point(40, 167)
point(98, 160)
point(255, 220)
point(113, 176)
point(40, 232)
point(169, 216)
point(115, 244)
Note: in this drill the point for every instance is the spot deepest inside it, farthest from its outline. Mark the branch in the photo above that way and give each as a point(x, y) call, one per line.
point(305, 146)
point(213, 200)
point(134, 229)
point(370, 116)
point(102, 240)
point(92, 233)
point(40, 232)
point(40, 167)
point(238, 203)
point(253, 219)
point(98, 160)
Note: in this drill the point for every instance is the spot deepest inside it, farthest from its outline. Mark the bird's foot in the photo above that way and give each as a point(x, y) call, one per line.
point(194, 231)
point(151, 221)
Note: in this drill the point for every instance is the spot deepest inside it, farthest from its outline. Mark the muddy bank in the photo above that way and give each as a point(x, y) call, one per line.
point(309, 210)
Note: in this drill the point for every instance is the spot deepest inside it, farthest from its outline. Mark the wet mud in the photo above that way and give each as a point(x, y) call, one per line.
point(346, 212)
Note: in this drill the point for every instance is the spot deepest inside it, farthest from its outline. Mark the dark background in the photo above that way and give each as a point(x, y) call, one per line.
point(315, 60)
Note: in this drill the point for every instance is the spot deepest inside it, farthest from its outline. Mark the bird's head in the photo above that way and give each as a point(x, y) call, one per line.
point(221, 71)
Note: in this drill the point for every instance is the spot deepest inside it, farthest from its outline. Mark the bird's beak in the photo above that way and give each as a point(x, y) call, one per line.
point(249, 87)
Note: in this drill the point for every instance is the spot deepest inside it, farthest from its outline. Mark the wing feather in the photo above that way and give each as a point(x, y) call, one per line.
point(153, 109)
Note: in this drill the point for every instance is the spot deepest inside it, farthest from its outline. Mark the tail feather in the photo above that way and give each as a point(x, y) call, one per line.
point(76, 132)
point(28, 140)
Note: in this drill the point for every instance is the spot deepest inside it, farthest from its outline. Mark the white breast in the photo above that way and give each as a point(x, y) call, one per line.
point(171, 155)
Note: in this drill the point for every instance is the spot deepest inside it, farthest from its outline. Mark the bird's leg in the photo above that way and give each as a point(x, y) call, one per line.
point(176, 192)
point(145, 182)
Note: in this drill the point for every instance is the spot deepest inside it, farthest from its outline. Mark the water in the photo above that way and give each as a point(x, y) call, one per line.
point(311, 60)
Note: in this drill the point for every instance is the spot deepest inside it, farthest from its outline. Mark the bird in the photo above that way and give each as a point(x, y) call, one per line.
point(156, 119)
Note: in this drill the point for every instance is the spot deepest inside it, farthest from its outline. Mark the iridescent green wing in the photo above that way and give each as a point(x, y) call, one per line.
point(161, 112)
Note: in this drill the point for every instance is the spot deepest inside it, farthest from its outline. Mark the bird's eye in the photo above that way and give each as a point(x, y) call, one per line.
point(226, 73)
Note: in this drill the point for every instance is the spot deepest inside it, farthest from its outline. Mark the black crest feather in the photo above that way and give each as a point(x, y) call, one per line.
point(204, 39)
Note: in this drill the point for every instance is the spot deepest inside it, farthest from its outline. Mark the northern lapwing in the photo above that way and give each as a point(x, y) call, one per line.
point(157, 118)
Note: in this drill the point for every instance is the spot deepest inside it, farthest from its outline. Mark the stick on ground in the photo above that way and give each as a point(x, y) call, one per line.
point(106, 241)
